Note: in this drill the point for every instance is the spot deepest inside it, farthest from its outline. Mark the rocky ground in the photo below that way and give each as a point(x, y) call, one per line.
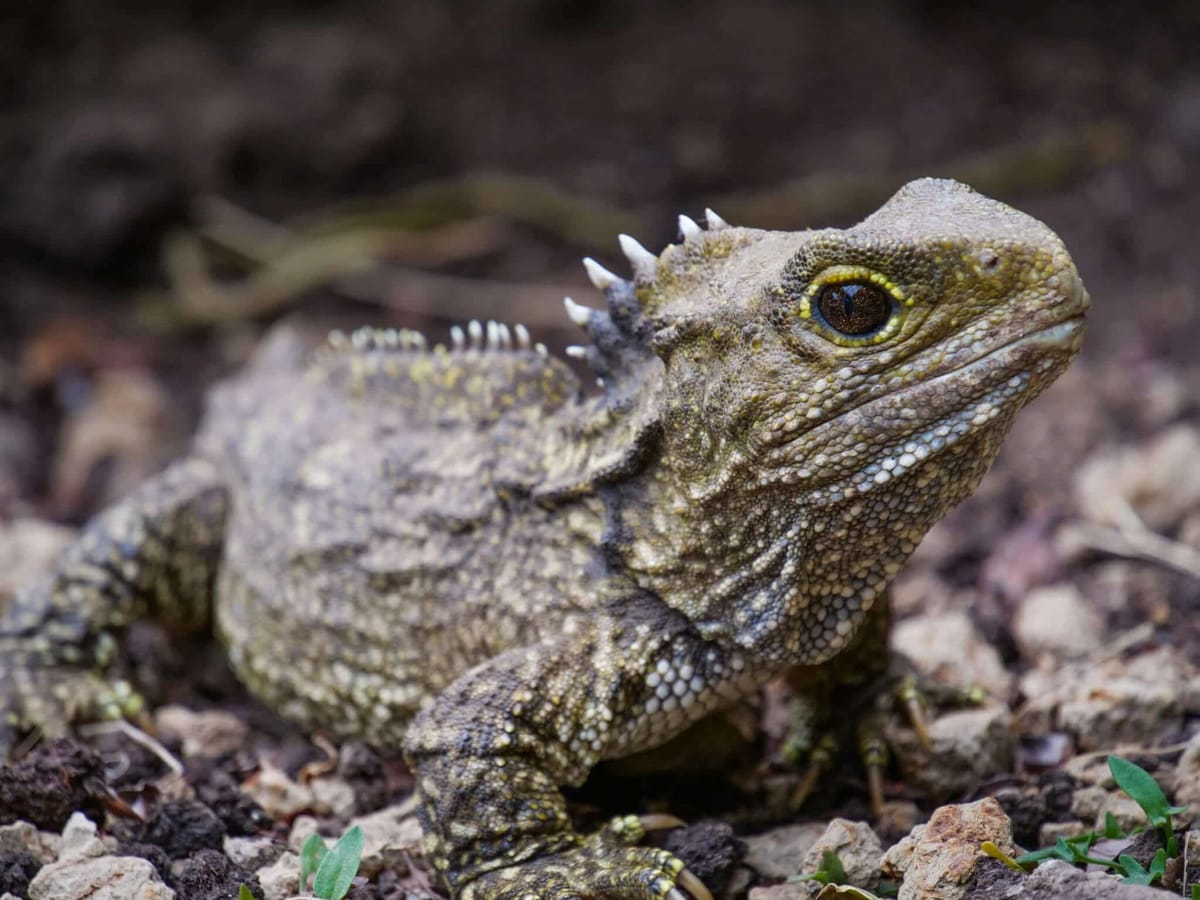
point(166, 201)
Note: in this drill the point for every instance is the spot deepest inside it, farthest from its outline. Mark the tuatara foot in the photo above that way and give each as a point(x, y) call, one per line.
point(604, 866)
point(864, 711)
point(48, 699)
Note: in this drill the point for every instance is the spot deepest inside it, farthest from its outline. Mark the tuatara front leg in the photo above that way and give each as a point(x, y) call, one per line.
point(493, 749)
point(154, 555)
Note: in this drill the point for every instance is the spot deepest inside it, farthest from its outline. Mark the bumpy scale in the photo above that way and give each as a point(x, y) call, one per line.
point(457, 550)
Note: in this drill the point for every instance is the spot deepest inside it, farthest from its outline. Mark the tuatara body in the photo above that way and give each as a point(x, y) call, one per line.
point(458, 550)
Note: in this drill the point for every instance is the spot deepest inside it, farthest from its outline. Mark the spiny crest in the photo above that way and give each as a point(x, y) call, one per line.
point(617, 333)
point(492, 337)
point(620, 328)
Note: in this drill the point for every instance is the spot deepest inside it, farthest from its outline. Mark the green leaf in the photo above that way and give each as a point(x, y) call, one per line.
point(312, 854)
point(244, 893)
point(1134, 873)
point(1196, 892)
point(1112, 828)
point(1033, 857)
point(990, 849)
point(1141, 786)
point(831, 871)
point(832, 864)
point(1158, 865)
point(339, 866)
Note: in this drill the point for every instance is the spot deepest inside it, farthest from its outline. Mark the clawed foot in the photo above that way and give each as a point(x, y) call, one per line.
point(47, 700)
point(605, 865)
point(901, 691)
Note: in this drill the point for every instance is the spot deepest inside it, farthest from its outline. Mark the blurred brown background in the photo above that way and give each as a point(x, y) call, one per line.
point(179, 175)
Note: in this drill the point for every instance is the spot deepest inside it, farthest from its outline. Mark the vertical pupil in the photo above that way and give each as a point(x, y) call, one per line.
point(854, 309)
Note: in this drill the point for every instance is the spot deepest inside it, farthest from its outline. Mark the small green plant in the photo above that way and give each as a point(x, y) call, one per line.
point(244, 893)
point(832, 874)
point(1136, 874)
point(831, 871)
point(312, 852)
point(333, 869)
point(1112, 828)
point(1141, 786)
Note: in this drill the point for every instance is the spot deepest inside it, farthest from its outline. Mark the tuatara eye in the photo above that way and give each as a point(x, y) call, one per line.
point(854, 308)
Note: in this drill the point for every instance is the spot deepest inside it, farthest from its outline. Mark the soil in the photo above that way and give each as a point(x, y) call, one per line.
point(167, 169)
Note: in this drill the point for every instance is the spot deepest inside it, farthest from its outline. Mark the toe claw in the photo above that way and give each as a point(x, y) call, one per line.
point(693, 885)
point(914, 707)
point(660, 822)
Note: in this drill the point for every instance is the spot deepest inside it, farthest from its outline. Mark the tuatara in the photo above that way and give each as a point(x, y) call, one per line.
point(458, 550)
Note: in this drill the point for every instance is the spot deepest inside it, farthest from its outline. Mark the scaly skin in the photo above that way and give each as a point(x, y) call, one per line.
point(458, 551)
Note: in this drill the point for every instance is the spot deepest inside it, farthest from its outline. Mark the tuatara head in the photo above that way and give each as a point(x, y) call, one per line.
point(832, 393)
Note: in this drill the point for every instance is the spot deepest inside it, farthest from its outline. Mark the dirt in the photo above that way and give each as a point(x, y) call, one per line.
point(52, 782)
point(157, 163)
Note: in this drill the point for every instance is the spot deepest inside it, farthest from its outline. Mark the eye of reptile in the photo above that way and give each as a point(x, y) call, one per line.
point(854, 308)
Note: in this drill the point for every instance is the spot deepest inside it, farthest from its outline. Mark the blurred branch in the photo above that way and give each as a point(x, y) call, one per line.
point(574, 218)
point(1043, 164)
point(354, 248)
point(355, 259)
point(1131, 542)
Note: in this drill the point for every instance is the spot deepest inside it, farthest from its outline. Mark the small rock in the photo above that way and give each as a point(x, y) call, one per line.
point(778, 853)
point(1057, 621)
point(181, 827)
point(221, 792)
point(898, 856)
point(1159, 480)
point(1187, 778)
point(1124, 809)
point(17, 869)
point(23, 837)
point(945, 855)
point(1125, 711)
point(210, 875)
point(252, 852)
point(333, 796)
point(856, 845)
point(57, 778)
point(739, 883)
point(1090, 770)
point(79, 838)
point(709, 850)
point(898, 817)
point(948, 647)
point(1058, 880)
point(203, 733)
point(1103, 705)
point(28, 548)
point(278, 795)
point(969, 745)
point(99, 878)
point(281, 879)
point(1087, 801)
point(303, 827)
point(366, 773)
point(127, 432)
point(1025, 806)
point(1050, 832)
point(388, 835)
point(788, 890)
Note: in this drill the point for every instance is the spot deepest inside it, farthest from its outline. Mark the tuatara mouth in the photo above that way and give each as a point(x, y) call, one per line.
point(975, 399)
